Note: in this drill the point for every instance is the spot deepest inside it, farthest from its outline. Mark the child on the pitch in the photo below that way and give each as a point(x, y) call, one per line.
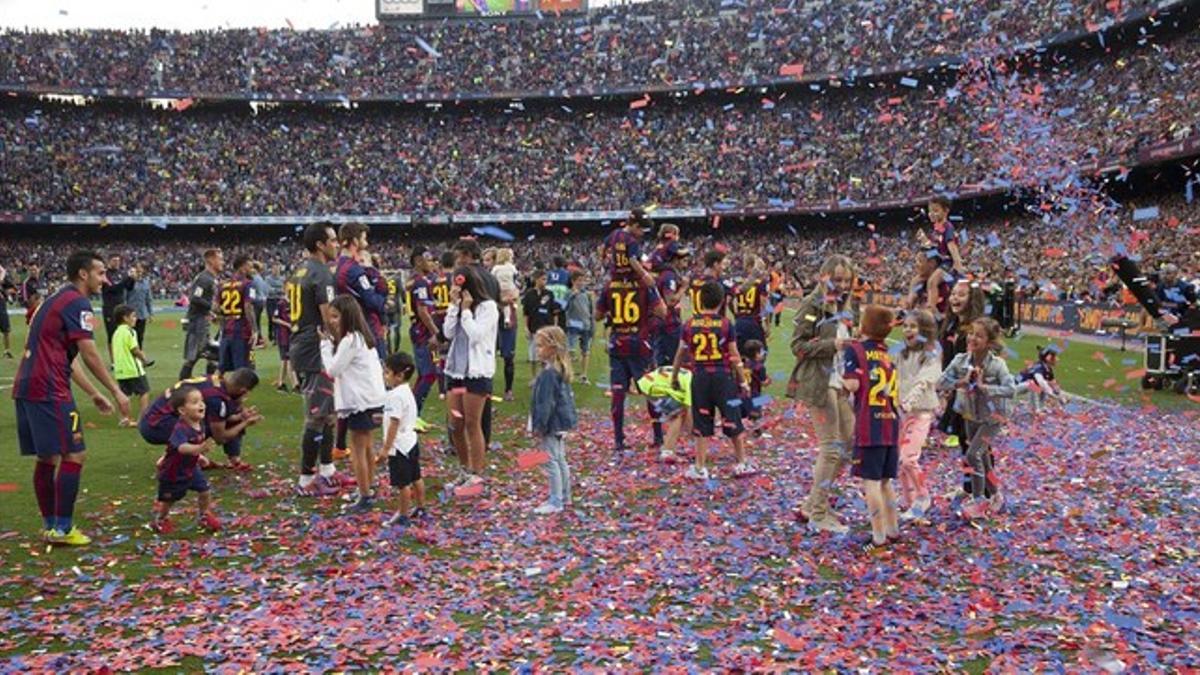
point(352, 361)
point(400, 440)
point(984, 399)
point(670, 407)
point(281, 317)
point(870, 378)
point(552, 413)
point(755, 358)
point(179, 470)
point(129, 363)
point(1039, 378)
point(918, 370)
point(718, 383)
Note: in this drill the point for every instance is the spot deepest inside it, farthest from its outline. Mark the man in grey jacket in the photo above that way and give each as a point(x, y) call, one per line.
point(140, 299)
point(822, 328)
point(202, 293)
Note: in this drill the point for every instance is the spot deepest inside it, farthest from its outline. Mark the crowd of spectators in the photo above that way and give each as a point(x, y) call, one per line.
point(1048, 261)
point(810, 147)
point(653, 43)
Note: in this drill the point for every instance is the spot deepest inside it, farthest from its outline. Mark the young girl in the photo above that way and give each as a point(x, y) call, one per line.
point(1039, 378)
point(870, 378)
point(984, 398)
point(917, 369)
point(357, 387)
point(400, 440)
point(506, 273)
point(552, 413)
point(179, 470)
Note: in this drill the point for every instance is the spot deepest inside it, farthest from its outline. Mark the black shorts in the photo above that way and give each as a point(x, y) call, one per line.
point(174, 490)
point(404, 471)
point(110, 325)
point(875, 462)
point(318, 397)
point(5, 324)
point(134, 386)
point(365, 420)
point(480, 386)
point(712, 392)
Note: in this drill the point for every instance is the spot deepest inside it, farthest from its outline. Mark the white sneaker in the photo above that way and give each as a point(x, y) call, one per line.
point(917, 511)
point(744, 469)
point(696, 474)
point(996, 502)
point(547, 508)
point(666, 455)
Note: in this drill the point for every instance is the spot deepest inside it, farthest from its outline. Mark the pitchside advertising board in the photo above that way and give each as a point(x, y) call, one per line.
point(401, 9)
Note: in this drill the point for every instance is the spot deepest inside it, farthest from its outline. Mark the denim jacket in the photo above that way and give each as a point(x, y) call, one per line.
point(994, 396)
point(552, 410)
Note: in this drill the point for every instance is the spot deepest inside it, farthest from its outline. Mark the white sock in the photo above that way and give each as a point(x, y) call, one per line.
point(328, 470)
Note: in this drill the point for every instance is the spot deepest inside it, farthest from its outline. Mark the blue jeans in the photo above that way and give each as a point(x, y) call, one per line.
point(557, 469)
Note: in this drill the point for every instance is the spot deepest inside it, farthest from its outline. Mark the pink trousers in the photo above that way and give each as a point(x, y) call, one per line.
point(914, 429)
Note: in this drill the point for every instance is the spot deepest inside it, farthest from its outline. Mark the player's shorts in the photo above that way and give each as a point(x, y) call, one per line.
point(318, 398)
point(174, 490)
point(134, 386)
point(713, 392)
point(365, 420)
point(5, 323)
point(624, 371)
point(49, 429)
point(480, 386)
point(235, 353)
point(749, 329)
point(875, 462)
point(506, 342)
point(196, 338)
point(283, 343)
point(160, 432)
point(666, 344)
point(579, 339)
point(404, 471)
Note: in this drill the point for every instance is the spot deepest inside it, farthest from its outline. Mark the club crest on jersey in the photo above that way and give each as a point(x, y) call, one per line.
point(87, 320)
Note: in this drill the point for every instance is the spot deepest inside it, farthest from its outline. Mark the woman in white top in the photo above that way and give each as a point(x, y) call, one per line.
point(358, 392)
point(471, 323)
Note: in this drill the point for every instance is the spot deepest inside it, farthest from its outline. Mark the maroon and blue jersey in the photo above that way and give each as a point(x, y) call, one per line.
point(57, 326)
point(669, 284)
point(623, 248)
point(921, 292)
point(694, 291)
point(218, 404)
point(629, 307)
point(421, 295)
point(283, 331)
point(945, 236)
point(375, 317)
point(662, 255)
point(440, 288)
point(1039, 368)
point(178, 466)
point(351, 278)
point(876, 420)
point(757, 371)
point(750, 299)
point(710, 338)
point(234, 295)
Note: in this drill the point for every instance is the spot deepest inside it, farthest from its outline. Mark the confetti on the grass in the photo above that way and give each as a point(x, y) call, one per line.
point(1088, 567)
point(529, 460)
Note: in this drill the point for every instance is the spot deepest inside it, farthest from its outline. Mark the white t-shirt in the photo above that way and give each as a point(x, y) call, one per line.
point(401, 405)
point(839, 364)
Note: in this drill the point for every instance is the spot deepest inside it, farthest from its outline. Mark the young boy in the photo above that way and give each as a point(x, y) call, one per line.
point(178, 470)
point(756, 373)
point(708, 340)
point(129, 363)
point(580, 321)
point(870, 378)
point(400, 440)
point(281, 319)
point(670, 408)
